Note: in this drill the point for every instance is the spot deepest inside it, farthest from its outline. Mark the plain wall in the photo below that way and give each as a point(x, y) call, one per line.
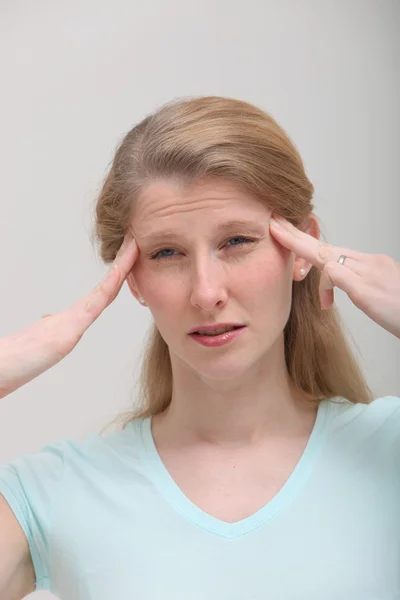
point(77, 75)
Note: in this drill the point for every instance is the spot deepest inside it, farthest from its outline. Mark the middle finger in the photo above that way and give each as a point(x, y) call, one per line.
point(315, 251)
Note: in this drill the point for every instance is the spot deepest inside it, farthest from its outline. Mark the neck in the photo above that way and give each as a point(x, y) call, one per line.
point(244, 410)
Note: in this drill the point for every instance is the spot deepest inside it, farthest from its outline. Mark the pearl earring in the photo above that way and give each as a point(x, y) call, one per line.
point(141, 300)
point(302, 272)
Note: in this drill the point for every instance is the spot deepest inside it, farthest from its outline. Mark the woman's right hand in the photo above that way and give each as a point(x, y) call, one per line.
point(31, 351)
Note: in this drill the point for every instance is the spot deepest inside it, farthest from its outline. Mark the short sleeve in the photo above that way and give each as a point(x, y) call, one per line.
point(31, 484)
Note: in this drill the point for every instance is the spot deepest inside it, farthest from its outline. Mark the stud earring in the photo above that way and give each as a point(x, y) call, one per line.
point(302, 272)
point(141, 299)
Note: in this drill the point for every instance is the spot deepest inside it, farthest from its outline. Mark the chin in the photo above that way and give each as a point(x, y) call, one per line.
point(223, 367)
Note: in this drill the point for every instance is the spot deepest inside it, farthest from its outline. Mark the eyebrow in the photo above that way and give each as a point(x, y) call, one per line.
point(232, 224)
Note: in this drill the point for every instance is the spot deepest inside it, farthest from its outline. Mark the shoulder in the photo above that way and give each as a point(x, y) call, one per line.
point(105, 451)
point(378, 420)
point(378, 410)
point(91, 453)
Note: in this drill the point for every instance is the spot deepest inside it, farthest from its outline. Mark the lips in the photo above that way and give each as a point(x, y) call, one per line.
point(216, 340)
point(216, 331)
point(214, 327)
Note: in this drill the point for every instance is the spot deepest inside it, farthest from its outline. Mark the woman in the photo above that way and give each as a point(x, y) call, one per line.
point(257, 465)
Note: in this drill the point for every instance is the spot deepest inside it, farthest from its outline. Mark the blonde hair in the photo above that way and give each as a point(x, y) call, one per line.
point(211, 136)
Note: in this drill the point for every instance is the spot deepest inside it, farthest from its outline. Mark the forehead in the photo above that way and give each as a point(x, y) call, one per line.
point(169, 203)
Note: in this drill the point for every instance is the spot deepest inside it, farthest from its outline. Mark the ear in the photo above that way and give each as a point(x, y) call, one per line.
point(301, 267)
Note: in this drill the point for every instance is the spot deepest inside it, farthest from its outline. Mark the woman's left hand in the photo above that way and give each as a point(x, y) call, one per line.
point(372, 281)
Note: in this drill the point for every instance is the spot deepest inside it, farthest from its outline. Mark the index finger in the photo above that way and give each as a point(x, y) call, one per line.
point(315, 251)
point(88, 308)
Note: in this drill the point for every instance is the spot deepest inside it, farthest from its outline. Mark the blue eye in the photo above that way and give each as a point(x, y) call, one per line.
point(239, 237)
point(158, 255)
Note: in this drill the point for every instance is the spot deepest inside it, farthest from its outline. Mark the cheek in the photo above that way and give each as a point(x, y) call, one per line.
point(268, 277)
point(160, 287)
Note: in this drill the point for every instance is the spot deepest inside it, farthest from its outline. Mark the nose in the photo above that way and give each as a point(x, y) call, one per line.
point(208, 285)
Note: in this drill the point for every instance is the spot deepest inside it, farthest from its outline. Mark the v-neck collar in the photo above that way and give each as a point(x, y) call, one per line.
point(171, 491)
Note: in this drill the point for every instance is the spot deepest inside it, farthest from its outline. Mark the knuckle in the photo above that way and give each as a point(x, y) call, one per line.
point(324, 250)
point(100, 288)
point(328, 269)
point(328, 266)
point(91, 306)
point(88, 306)
point(100, 297)
point(384, 260)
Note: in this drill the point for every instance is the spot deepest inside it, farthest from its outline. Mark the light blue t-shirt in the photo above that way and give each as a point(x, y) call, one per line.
point(105, 521)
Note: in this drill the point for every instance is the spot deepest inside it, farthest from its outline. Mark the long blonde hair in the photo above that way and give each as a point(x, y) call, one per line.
point(223, 137)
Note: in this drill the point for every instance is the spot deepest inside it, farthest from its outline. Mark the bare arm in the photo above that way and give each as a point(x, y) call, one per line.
point(17, 575)
point(28, 353)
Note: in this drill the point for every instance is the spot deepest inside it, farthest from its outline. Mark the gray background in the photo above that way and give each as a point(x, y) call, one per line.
point(77, 75)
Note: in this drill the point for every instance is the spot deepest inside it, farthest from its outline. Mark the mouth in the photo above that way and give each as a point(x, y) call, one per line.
point(213, 339)
point(212, 332)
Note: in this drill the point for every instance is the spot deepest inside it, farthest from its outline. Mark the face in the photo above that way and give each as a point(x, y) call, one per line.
point(192, 269)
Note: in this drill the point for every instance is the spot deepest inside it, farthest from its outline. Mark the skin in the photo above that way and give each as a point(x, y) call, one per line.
point(237, 395)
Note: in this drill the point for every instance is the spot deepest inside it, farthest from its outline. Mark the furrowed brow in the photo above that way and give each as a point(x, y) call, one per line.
point(226, 225)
